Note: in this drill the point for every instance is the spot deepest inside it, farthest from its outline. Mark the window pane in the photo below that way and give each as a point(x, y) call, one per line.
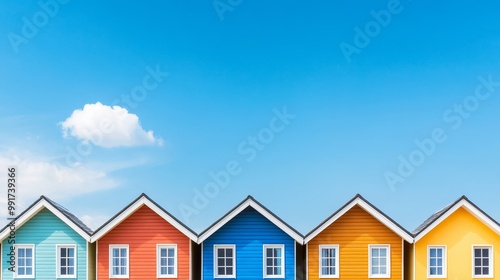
point(220, 252)
point(229, 253)
point(432, 253)
point(63, 252)
point(170, 270)
point(29, 262)
point(477, 252)
point(221, 271)
point(29, 271)
point(29, 253)
point(71, 271)
point(171, 252)
point(432, 271)
point(163, 252)
point(383, 252)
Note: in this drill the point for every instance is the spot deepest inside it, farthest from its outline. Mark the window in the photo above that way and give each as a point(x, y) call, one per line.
point(25, 261)
point(328, 261)
point(379, 258)
point(167, 261)
point(118, 261)
point(482, 261)
point(436, 262)
point(66, 261)
point(274, 263)
point(225, 261)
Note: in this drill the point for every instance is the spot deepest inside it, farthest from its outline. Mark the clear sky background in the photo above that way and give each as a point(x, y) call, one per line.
point(308, 103)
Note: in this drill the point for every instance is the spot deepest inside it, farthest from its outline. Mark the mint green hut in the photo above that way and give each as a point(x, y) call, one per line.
point(50, 243)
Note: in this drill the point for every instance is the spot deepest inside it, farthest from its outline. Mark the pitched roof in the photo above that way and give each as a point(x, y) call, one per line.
point(251, 202)
point(56, 209)
point(368, 207)
point(70, 216)
point(436, 218)
point(143, 199)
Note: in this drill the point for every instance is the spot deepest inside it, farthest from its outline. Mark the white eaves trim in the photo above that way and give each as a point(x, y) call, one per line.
point(125, 213)
point(472, 209)
point(35, 209)
point(249, 202)
point(358, 200)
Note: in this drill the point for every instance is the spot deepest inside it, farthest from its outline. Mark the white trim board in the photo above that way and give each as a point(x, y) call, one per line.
point(250, 202)
point(377, 214)
point(131, 209)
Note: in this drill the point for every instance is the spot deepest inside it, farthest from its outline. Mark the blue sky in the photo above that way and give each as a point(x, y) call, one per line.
point(104, 101)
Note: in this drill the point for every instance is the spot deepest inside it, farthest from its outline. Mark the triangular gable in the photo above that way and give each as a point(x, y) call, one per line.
point(368, 207)
point(62, 213)
point(142, 200)
point(251, 202)
point(444, 213)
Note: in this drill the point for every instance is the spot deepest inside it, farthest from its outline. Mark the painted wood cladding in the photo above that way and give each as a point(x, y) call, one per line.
point(248, 231)
point(354, 232)
point(143, 231)
point(459, 233)
point(45, 231)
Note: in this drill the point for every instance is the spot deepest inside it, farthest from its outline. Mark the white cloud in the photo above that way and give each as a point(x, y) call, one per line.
point(107, 126)
point(37, 177)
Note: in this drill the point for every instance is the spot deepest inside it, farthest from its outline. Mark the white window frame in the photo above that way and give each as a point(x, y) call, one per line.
point(444, 257)
point(490, 257)
point(264, 260)
point(25, 246)
point(388, 264)
point(329, 246)
point(58, 260)
point(216, 270)
point(118, 246)
point(159, 247)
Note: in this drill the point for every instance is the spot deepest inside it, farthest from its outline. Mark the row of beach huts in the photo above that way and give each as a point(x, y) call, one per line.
point(144, 241)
